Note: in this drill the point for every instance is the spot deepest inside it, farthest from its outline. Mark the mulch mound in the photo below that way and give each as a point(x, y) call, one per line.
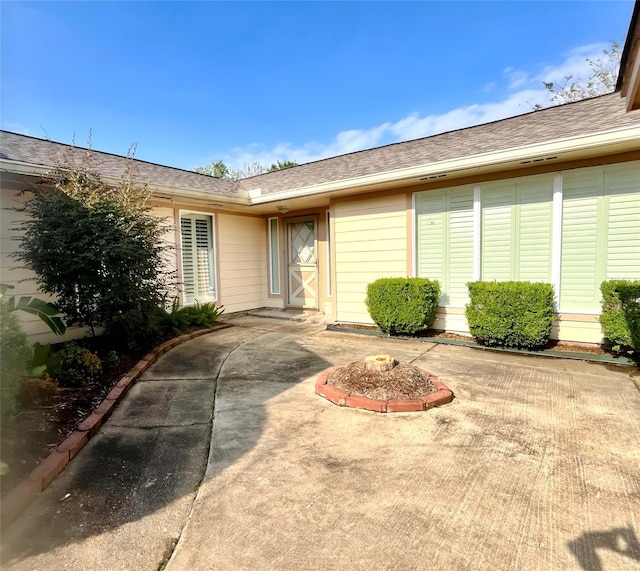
point(401, 382)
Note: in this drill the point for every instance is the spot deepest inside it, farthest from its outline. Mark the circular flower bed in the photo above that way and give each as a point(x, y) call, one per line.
point(380, 384)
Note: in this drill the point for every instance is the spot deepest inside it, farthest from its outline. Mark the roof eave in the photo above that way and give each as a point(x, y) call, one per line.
point(35, 170)
point(616, 140)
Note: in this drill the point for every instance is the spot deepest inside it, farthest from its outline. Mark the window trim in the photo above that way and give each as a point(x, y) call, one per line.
point(328, 249)
point(274, 256)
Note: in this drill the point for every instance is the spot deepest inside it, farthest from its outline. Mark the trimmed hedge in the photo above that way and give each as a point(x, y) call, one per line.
point(510, 314)
point(620, 317)
point(403, 306)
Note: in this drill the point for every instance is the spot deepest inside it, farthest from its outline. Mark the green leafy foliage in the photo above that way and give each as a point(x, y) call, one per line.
point(15, 356)
point(403, 306)
point(510, 314)
point(46, 311)
point(620, 317)
point(74, 366)
point(100, 251)
point(39, 359)
point(280, 165)
point(199, 314)
point(219, 169)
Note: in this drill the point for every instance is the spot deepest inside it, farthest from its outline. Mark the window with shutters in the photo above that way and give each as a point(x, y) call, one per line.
point(444, 242)
point(198, 260)
point(600, 236)
point(597, 236)
point(516, 229)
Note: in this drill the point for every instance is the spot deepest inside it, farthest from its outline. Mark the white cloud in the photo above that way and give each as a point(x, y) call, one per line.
point(575, 63)
point(15, 128)
point(523, 88)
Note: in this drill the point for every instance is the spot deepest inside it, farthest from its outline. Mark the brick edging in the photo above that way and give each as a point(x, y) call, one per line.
point(20, 496)
point(442, 395)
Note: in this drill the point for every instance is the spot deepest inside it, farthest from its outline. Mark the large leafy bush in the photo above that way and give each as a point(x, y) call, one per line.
point(98, 248)
point(403, 305)
point(620, 317)
point(510, 314)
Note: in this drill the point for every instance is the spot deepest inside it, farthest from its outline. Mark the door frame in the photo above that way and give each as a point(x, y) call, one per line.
point(287, 260)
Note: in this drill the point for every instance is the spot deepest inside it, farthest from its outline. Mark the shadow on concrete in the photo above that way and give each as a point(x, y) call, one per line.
point(620, 540)
point(150, 457)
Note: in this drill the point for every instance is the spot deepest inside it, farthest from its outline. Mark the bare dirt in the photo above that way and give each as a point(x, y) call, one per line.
point(41, 424)
point(401, 382)
point(36, 430)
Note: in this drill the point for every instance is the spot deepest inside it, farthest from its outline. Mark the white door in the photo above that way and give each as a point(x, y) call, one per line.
point(302, 263)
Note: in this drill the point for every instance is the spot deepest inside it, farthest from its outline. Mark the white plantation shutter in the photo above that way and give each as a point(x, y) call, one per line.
point(600, 232)
point(445, 241)
point(622, 200)
point(516, 230)
point(198, 268)
point(431, 212)
point(580, 278)
point(534, 226)
point(498, 231)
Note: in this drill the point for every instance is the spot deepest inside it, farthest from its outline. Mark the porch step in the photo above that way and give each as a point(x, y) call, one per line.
point(290, 315)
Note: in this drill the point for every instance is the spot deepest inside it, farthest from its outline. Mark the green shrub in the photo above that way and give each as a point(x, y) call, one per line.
point(620, 317)
point(100, 250)
point(74, 366)
point(510, 314)
point(200, 314)
point(15, 358)
point(403, 306)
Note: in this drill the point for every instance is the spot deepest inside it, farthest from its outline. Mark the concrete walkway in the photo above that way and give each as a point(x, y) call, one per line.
point(222, 457)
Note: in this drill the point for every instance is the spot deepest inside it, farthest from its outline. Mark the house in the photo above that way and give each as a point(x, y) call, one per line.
point(552, 195)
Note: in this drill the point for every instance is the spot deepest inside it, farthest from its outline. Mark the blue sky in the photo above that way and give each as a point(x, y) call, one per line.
point(259, 81)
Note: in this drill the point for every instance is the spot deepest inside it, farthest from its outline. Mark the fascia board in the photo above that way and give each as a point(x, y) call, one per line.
point(199, 195)
point(495, 158)
point(633, 83)
point(19, 167)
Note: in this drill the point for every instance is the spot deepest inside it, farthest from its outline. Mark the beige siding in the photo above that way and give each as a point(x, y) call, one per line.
point(242, 261)
point(370, 243)
point(22, 279)
point(169, 237)
point(577, 328)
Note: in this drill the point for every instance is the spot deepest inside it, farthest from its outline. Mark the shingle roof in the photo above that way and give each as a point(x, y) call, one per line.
point(40, 152)
point(574, 119)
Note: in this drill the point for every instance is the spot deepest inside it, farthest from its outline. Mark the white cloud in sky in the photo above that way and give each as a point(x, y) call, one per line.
point(575, 63)
point(15, 127)
point(524, 89)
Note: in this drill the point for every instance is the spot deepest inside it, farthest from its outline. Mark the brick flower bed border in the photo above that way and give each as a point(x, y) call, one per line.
point(442, 395)
point(19, 497)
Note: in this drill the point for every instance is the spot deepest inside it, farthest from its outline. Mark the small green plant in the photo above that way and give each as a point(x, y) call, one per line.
point(15, 356)
point(111, 360)
point(38, 366)
point(200, 314)
point(403, 306)
point(510, 314)
point(75, 366)
point(620, 317)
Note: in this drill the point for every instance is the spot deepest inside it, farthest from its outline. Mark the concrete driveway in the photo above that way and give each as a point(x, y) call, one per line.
point(222, 457)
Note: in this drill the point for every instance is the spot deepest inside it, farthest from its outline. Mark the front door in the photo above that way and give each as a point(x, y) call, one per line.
point(302, 263)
